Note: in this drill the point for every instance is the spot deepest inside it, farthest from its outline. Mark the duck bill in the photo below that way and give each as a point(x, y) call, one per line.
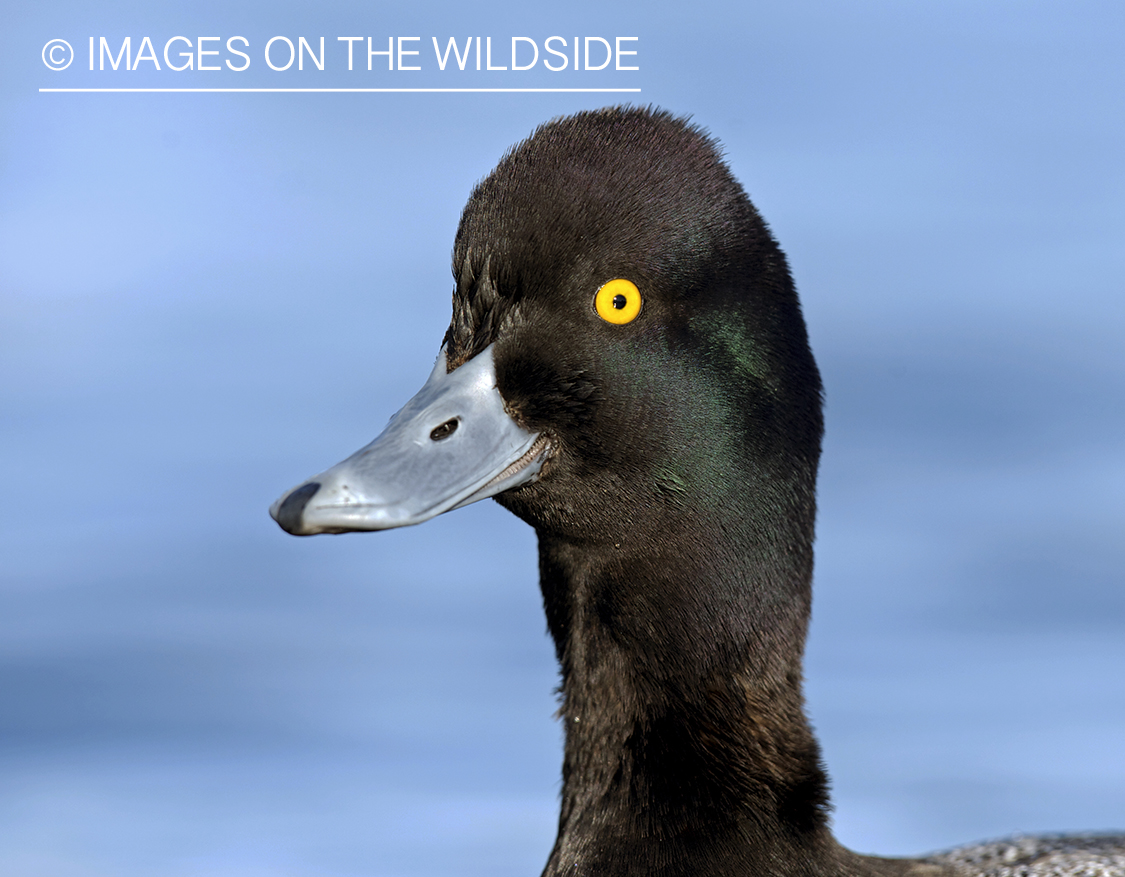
point(452, 444)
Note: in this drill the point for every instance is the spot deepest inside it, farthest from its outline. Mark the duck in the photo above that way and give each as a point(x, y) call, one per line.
point(627, 369)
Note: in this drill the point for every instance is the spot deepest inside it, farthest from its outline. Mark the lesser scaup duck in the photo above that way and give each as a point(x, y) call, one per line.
point(627, 370)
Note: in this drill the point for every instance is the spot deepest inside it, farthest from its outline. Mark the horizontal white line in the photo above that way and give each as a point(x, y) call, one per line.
point(319, 90)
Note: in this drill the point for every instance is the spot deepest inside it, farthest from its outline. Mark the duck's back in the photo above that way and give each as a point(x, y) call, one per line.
point(1044, 856)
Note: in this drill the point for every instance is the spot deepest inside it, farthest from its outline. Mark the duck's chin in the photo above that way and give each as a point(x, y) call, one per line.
point(552, 510)
point(528, 502)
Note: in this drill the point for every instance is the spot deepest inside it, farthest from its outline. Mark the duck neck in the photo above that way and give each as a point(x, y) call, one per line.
point(687, 748)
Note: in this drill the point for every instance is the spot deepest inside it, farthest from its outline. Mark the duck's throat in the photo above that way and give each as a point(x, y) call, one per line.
point(687, 748)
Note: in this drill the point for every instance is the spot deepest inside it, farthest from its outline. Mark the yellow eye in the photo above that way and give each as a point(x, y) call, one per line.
point(618, 302)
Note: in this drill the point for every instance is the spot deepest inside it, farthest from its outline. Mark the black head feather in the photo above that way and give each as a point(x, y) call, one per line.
point(675, 514)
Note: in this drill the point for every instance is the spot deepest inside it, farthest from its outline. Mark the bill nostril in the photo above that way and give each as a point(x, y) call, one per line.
point(444, 431)
point(289, 515)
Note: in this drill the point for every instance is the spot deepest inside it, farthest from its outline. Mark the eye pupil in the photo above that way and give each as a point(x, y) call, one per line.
point(619, 302)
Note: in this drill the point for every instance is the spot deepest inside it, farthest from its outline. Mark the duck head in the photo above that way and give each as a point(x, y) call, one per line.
point(627, 370)
point(626, 344)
